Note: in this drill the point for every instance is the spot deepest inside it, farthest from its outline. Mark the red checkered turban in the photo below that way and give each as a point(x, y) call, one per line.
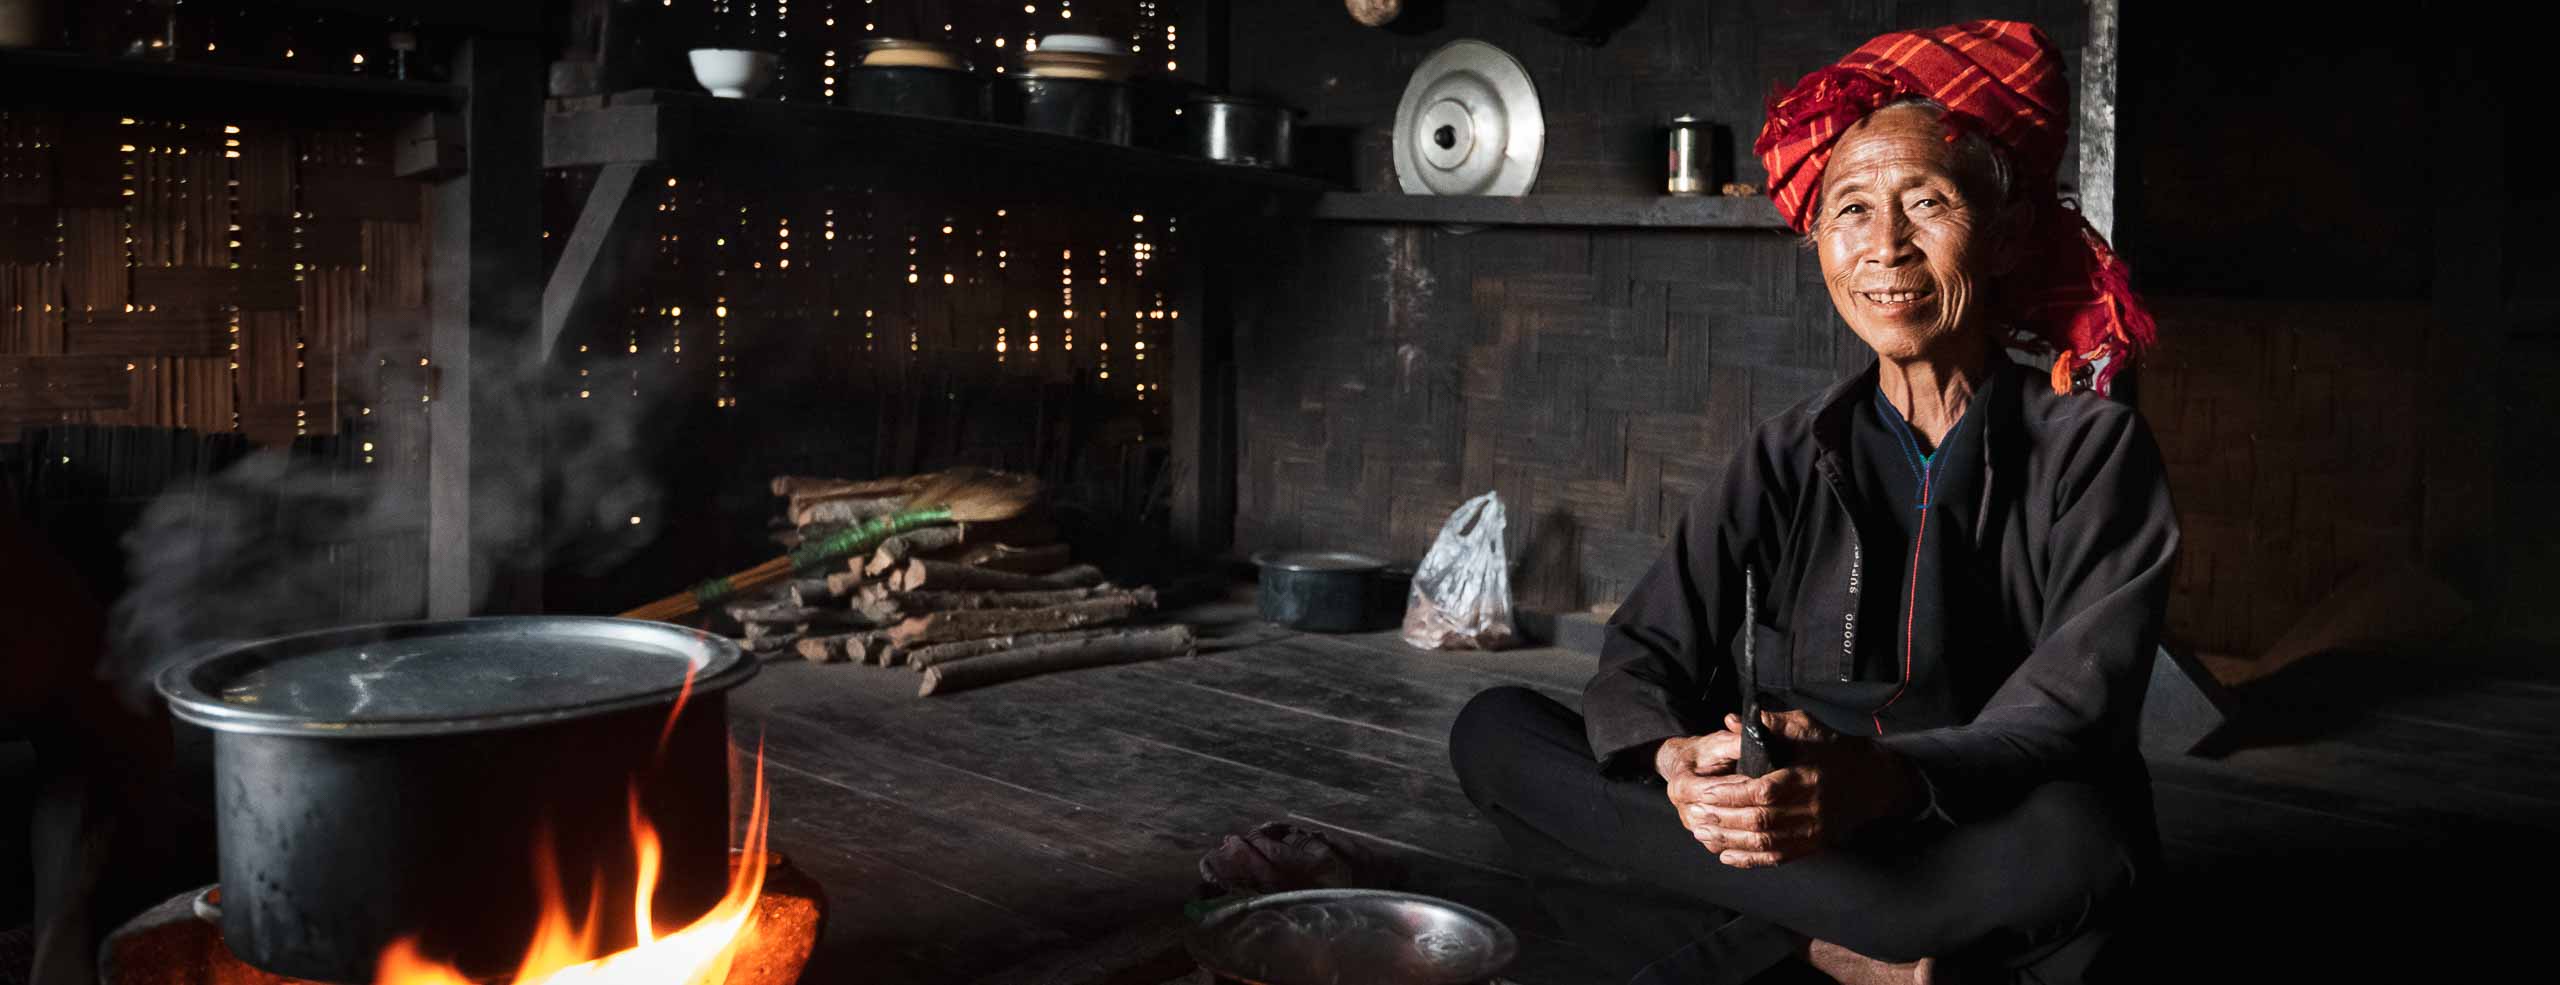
point(2003, 81)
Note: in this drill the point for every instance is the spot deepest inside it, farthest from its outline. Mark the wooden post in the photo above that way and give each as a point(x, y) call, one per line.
point(2458, 521)
point(483, 448)
point(1204, 399)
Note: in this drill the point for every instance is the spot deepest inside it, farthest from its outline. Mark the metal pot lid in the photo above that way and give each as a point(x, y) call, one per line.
point(1352, 935)
point(1317, 561)
point(448, 676)
point(1469, 124)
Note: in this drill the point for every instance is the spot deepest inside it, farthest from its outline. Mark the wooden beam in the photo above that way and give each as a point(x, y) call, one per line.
point(482, 496)
point(590, 264)
point(2097, 123)
point(1583, 211)
point(1204, 398)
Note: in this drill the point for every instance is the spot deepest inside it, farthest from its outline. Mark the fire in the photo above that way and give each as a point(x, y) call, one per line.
point(563, 952)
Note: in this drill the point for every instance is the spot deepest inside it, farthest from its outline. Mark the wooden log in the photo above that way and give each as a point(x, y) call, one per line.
point(814, 593)
point(946, 627)
point(927, 656)
point(784, 613)
point(918, 603)
point(840, 647)
point(878, 611)
point(921, 574)
point(771, 637)
point(820, 649)
point(1131, 646)
point(849, 509)
point(804, 487)
point(886, 607)
point(843, 584)
point(896, 550)
point(1019, 560)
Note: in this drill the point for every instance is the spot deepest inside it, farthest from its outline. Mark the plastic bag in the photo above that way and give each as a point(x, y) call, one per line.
point(1462, 593)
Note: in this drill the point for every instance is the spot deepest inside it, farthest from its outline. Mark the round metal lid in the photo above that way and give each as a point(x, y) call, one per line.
point(1469, 124)
point(1355, 935)
point(448, 676)
point(1317, 561)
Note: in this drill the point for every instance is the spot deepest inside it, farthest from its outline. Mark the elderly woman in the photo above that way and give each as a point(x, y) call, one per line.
point(1961, 567)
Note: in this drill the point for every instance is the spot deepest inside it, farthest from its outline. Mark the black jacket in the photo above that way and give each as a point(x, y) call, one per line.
point(2072, 533)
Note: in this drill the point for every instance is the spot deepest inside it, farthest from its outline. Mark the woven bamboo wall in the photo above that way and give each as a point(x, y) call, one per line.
point(217, 273)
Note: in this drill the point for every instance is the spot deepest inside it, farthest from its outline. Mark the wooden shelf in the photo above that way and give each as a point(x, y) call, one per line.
point(660, 127)
point(79, 80)
point(1587, 211)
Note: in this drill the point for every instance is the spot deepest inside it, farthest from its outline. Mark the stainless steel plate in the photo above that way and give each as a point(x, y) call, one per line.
point(1345, 936)
point(1469, 124)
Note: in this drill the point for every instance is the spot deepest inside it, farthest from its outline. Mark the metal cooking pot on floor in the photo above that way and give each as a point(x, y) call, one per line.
point(416, 779)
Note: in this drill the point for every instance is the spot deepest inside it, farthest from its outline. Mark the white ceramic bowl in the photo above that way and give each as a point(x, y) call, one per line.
point(1084, 44)
point(731, 73)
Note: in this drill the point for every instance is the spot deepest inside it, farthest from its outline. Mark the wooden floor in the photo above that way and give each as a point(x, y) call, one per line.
point(1048, 830)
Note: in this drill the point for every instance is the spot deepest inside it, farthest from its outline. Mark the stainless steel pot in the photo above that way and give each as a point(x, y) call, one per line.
point(1237, 130)
point(418, 779)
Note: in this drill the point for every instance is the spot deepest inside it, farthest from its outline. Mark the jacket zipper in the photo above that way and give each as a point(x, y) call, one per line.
point(1911, 608)
point(1857, 571)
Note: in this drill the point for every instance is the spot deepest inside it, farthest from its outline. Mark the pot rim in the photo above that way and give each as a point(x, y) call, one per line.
point(1354, 562)
point(719, 665)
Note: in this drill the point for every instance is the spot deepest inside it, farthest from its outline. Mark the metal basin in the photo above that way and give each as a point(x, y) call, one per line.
point(1351, 937)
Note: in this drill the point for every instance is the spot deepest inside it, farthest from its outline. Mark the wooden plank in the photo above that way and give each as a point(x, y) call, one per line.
point(659, 126)
point(82, 79)
point(44, 384)
point(1571, 211)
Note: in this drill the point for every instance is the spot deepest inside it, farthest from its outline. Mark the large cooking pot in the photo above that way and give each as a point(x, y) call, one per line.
point(419, 779)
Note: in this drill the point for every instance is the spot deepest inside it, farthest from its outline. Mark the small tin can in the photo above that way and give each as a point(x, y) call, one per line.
point(1688, 140)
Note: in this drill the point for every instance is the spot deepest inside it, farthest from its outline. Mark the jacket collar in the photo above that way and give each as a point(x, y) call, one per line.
point(1997, 430)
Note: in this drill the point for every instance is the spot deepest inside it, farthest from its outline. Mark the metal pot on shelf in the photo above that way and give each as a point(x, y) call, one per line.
point(408, 779)
point(1094, 109)
point(1238, 130)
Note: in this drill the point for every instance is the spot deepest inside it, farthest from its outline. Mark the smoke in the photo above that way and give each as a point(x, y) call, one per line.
point(282, 543)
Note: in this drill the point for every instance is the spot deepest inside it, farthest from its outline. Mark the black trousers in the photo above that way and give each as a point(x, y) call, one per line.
point(2031, 895)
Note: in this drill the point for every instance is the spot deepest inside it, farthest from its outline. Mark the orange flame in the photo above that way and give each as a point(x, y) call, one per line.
point(563, 953)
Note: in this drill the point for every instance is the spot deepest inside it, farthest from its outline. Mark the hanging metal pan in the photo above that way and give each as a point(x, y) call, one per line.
point(1469, 124)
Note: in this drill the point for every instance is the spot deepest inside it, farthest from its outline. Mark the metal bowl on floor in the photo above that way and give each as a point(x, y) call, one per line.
point(1343, 936)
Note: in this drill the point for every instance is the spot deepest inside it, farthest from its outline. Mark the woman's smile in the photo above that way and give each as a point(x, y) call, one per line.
point(1898, 303)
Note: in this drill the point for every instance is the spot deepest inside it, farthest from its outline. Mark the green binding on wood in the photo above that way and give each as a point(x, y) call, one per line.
point(863, 537)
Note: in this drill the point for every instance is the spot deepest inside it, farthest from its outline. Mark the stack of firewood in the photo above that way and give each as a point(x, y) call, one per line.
point(965, 604)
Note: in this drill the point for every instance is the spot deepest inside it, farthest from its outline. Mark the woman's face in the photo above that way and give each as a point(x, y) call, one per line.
point(1906, 251)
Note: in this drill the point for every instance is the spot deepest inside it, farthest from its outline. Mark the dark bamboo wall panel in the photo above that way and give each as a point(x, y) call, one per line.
point(1598, 379)
point(177, 290)
point(2293, 435)
point(229, 265)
